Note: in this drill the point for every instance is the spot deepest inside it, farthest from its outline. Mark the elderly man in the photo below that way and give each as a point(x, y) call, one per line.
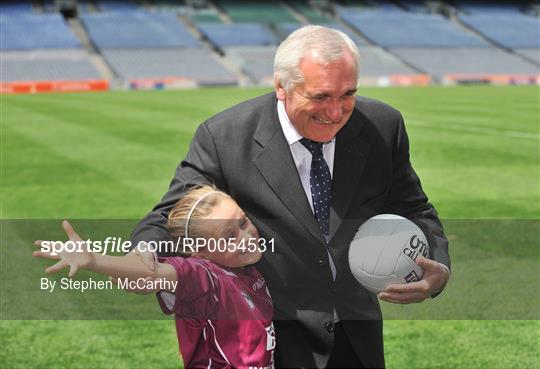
point(309, 163)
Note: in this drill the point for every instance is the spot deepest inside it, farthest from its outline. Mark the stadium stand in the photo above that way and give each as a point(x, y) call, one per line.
point(508, 30)
point(416, 6)
point(531, 54)
point(375, 62)
point(312, 16)
point(511, 30)
point(47, 65)
point(35, 31)
point(137, 29)
point(492, 7)
point(257, 62)
point(444, 48)
point(9, 8)
point(195, 64)
point(117, 6)
point(41, 47)
point(157, 43)
point(472, 61)
point(269, 12)
point(284, 29)
point(168, 6)
point(409, 29)
point(366, 5)
point(86, 6)
point(243, 34)
point(49, 6)
point(153, 45)
point(205, 15)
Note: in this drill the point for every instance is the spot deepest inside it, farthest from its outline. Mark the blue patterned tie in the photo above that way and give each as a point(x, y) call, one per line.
point(320, 182)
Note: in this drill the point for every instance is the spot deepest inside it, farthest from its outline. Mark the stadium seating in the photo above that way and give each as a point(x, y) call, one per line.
point(197, 64)
point(168, 6)
point(153, 45)
point(243, 34)
point(416, 6)
point(117, 5)
point(509, 30)
point(269, 12)
point(284, 29)
point(47, 65)
point(393, 29)
point(41, 47)
point(137, 29)
point(255, 61)
point(206, 15)
point(479, 61)
point(10, 8)
point(531, 54)
point(145, 40)
point(375, 62)
point(370, 5)
point(311, 15)
point(35, 31)
point(492, 7)
point(441, 47)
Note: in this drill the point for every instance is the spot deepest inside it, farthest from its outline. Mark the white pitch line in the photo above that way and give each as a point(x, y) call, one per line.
point(475, 129)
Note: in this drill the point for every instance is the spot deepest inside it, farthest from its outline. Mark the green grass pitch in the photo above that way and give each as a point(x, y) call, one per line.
point(111, 156)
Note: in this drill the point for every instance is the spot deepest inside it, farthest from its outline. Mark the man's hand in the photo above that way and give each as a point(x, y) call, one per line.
point(435, 277)
point(148, 259)
point(74, 260)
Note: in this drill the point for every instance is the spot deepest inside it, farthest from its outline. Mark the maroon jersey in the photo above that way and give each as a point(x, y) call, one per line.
point(223, 315)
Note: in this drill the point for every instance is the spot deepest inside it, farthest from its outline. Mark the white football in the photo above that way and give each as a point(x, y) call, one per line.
point(384, 251)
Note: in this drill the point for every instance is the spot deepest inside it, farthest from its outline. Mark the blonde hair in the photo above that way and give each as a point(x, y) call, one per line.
point(196, 204)
point(324, 44)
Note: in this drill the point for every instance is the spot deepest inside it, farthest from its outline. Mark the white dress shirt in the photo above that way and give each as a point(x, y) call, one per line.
point(302, 159)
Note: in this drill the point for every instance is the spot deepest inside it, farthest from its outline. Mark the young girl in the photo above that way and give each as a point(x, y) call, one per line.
point(221, 303)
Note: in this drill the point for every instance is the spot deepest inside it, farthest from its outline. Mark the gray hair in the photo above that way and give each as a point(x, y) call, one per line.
point(323, 43)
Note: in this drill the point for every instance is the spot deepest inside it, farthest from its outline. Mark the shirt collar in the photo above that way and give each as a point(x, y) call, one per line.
point(291, 134)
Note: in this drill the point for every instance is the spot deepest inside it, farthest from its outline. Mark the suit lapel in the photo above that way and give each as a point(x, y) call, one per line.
point(349, 160)
point(276, 165)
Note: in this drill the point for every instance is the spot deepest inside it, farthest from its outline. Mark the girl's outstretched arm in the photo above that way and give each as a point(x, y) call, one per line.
point(128, 266)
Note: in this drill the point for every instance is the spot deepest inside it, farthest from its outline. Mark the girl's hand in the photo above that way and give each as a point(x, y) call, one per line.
point(75, 260)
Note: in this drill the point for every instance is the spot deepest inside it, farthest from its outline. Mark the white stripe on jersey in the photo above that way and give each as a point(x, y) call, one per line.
point(217, 344)
point(210, 274)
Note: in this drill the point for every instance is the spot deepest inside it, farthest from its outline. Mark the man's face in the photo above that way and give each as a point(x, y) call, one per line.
point(321, 105)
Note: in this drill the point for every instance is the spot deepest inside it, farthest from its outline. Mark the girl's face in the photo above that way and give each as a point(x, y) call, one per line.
point(231, 227)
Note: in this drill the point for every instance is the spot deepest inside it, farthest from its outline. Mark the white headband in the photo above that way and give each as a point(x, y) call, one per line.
point(193, 208)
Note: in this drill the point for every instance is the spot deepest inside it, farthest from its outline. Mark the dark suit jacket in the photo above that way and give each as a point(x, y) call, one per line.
point(244, 151)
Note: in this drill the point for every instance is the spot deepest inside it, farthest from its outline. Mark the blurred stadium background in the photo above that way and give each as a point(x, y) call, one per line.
point(106, 44)
point(110, 154)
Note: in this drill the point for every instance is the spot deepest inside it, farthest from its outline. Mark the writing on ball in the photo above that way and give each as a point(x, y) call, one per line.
point(416, 247)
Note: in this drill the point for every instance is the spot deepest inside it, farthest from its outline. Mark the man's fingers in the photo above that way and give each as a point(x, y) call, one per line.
point(70, 231)
point(413, 287)
point(56, 267)
point(391, 300)
point(426, 263)
point(402, 298)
